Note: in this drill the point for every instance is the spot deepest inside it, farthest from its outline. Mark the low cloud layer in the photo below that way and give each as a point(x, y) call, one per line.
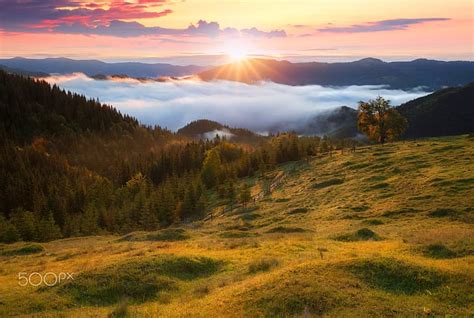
point(257, 107)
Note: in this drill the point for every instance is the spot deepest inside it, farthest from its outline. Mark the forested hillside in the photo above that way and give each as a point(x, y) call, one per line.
point(73, 166)
point(446, 112)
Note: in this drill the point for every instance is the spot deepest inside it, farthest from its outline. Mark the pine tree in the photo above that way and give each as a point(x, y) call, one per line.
point(201, 205)
point(178, 212)
point(211, 168)
point(25, 223)
point(89, 221)
point(148, 220)
point(189, 203)
point(47, 229)
point(8, 232)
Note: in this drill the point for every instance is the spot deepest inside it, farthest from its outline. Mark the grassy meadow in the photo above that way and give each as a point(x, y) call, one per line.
point(385, 231)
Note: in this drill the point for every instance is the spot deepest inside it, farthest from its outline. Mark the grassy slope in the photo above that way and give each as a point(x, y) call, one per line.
point(298, 252)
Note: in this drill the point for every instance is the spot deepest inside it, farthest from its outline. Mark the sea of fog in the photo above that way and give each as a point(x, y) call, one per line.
point(257, 107)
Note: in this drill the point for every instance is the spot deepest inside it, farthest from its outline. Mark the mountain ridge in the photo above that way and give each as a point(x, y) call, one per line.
point(93, 67)
point(431, 74)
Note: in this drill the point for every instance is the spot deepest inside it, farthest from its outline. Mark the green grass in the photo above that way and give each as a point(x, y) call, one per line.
point(295, 293)
point(138, 281)
point(439, 251)
point(363, 234)
point(404, 247)
point(236, 234)
point(24, 250)
point(168, 235)
point(395, 276)
point(262, 265)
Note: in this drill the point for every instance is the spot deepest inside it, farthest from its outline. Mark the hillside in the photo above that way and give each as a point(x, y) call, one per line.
point(338, 123)
point(94, 67)
point(385, 230)
point(208, 129)
point(22, 72)
point(446, 112)
point(71, 166)
point(398, 75)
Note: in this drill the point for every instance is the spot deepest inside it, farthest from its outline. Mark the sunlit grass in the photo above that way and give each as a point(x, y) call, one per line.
point(280, 258)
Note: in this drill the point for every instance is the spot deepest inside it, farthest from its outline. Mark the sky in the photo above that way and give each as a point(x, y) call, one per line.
point(204, 31)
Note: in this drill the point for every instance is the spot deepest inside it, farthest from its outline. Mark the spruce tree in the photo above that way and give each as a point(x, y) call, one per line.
point(47, 229)
point(211, 168)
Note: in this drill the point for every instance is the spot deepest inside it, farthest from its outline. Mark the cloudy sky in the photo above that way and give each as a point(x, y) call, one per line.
point(198, 30)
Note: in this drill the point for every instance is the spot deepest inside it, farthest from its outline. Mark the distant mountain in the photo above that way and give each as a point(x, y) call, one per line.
point(208, 129)
point(446, 112)
point(94, 67)
point(18, 71)
point(400, 75)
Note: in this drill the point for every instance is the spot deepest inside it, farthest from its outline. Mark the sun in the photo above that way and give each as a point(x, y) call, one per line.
point(237, 54)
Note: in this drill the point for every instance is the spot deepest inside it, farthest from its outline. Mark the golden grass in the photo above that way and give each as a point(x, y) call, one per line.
point(398, 184)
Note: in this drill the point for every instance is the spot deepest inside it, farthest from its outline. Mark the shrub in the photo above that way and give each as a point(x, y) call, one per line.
point(363, 234)
point(262, 265)
point(439, 213)
point(285, 229)
point(439, 251)
point(25, 250)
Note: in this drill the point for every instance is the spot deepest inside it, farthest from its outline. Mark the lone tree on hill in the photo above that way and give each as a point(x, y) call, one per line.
point(380, 121)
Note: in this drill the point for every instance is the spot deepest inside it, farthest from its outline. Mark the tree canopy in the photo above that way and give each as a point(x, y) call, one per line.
point(379, 121)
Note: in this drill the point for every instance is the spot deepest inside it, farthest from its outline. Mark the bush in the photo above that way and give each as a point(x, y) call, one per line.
point(439, 251)
point(8, 231)
point(25, 250)
point(285, 229)
point(363, 234)
point(439, 213)
point(262, 265)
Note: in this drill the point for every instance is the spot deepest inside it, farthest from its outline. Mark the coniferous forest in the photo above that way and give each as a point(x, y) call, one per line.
point(71, 166)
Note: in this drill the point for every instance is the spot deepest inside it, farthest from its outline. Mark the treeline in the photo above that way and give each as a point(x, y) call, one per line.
point(71, 166)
